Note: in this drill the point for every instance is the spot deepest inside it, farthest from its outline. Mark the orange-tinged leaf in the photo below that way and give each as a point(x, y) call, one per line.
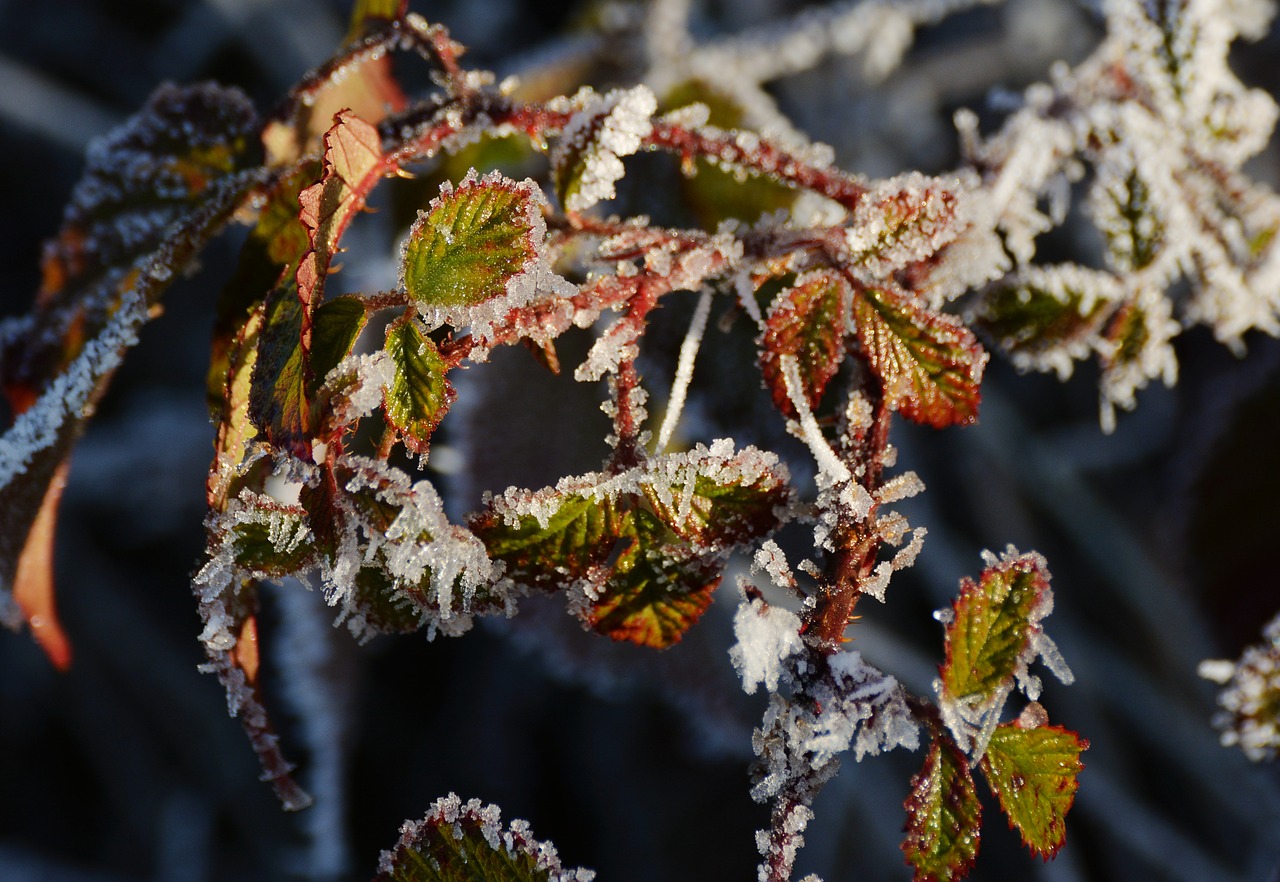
point(929, 364)
point(33, 588)
point(807, 321)
point(1034, 772)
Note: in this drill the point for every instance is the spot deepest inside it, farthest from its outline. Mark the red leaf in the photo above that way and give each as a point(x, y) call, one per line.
point(929, 364)
point(807, 321)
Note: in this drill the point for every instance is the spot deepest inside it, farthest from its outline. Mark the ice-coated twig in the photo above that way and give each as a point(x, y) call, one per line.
point(684, 368)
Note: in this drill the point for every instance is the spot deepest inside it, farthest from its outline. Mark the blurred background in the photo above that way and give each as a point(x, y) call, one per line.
point(1161, 537)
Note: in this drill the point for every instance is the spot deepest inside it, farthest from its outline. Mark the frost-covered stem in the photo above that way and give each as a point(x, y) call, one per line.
point(783, 846)
point(854, 559)
point(237, 672)
point(761, 156)
point(629, 452)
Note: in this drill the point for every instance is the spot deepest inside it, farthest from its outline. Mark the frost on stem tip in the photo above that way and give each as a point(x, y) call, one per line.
point(604, 128)
point(1249, 704)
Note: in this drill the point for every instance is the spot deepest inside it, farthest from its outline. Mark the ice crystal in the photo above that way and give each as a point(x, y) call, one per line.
point(596, 138)
point(766, 637)
point(1249, 715)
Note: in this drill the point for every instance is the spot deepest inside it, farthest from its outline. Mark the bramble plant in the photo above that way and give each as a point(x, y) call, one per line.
point(867, 301)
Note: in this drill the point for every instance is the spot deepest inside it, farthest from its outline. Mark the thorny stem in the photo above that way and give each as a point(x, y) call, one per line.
point(857, 542)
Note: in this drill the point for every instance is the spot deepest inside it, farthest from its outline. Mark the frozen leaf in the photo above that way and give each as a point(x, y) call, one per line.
point(643, 549)
point(268, 539)
point(154, 191)
point(425, 571)
point(901, 221)
point(807, 322)
point(476, 253)
point(1124, 211)
point(944, 817)
point(419, 394)
point(993, 634)
point(466, 842)
point(587, 163)
point(929, 364)
point(992, 625)
point(1033, 773)
point(1047, 317)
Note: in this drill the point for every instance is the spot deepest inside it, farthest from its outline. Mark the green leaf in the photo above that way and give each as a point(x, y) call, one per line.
point(944, 816)
point(929, 364)
point(807, 321)
point(465, 842)
point(279, 402)
point(419, 394)
point(473, 241)
point(412, 568)
point(273, 247)
point(992, 625)
point(337, 325)
point(1039, 313)
point(269, 539)
point(644, 550)
point(1034, 773)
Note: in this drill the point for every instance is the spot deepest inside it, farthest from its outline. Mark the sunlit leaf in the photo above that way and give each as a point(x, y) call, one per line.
point(944, 817)
point(1034, 773)
point(419, 394)
point(352, 165)
point(466, 842)
point(472, 241)
point(645, 548)
point(992, 625)
point(807, 322)
point(929, 364)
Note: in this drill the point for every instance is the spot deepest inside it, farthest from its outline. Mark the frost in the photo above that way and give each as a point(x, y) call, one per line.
point(766, 637)
point(1249, 706)
point(533, 282)
point(596, 137)
point(68, 396)
point(684, 368)
point(466, 825)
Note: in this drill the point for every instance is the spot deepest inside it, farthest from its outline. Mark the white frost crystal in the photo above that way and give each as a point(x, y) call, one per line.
point(1250, 703)
point(767, 637)
point(607, 128)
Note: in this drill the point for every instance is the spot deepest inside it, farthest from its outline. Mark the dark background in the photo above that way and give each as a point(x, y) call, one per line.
point(1161, 539)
